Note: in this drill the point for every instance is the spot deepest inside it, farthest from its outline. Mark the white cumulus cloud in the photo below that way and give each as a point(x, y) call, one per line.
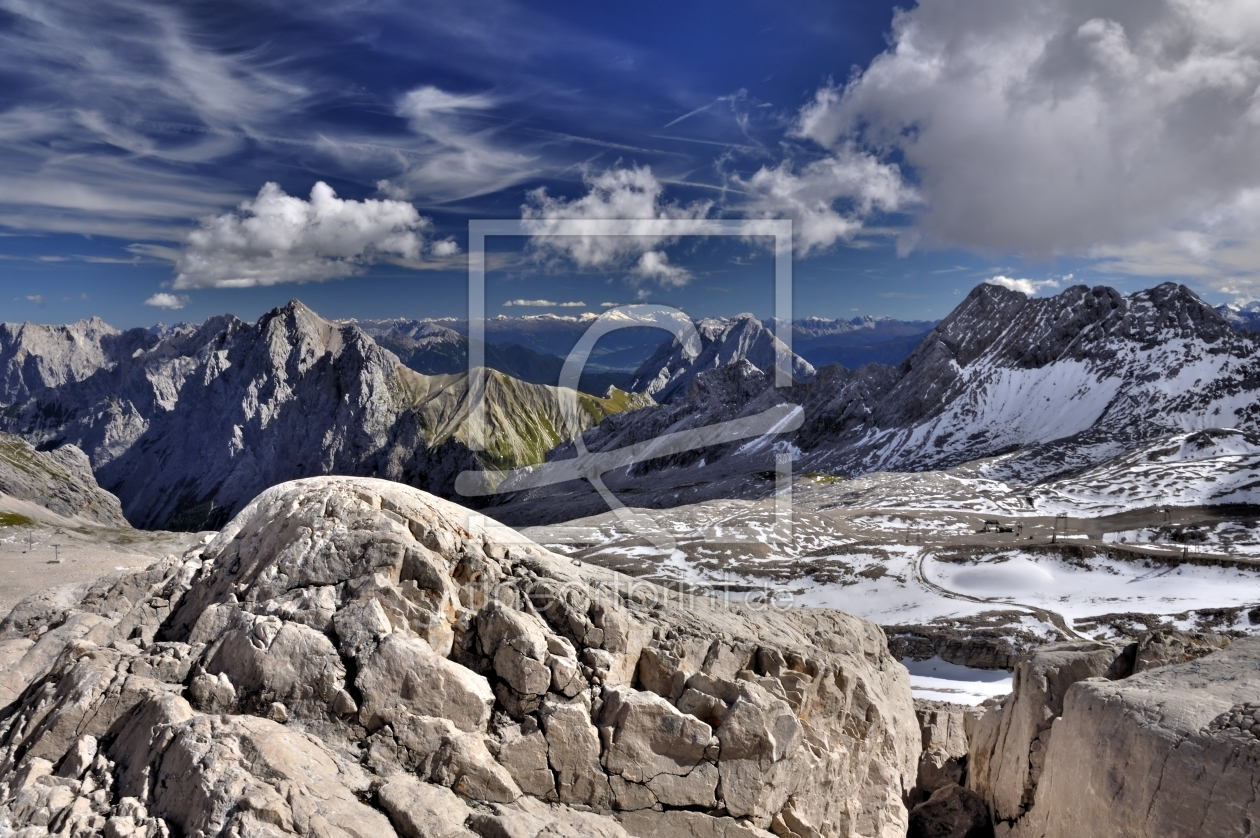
point(164, 300)
point(1030, 287)
point(278, 238)
point(829, 199)
point(654, 265)
point(1126, 130)
point(631, 196)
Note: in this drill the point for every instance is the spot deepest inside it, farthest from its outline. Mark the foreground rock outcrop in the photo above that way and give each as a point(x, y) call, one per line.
point(355, 657)
point(1150, 739)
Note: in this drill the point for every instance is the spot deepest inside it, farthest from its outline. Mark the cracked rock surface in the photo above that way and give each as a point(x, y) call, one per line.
point(354, 657)
point(1083, 747)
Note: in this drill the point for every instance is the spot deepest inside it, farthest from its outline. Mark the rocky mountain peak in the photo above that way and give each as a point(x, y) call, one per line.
point(1061, 383)
point(35, 356)
point(187, 428)
point(672, 368)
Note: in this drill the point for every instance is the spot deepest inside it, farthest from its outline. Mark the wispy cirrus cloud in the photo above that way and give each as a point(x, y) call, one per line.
point(456, 156)
point(543, 304)
point(88, 145)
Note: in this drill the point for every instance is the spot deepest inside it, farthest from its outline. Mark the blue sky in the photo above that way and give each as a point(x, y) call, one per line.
point(1044, 144)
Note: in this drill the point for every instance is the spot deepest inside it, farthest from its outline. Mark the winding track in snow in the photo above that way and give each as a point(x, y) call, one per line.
point(1055, 619)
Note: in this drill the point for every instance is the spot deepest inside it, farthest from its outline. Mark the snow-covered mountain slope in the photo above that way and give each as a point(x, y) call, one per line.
point(1201, 468)
point(1026, 389)
point(1089, 367)
point(672, 368)
point(188, 430)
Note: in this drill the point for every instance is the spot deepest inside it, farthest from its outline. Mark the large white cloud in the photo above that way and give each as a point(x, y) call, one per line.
point(828, 199)
point(630, 195)
point(278, 238)
point(1125, 129)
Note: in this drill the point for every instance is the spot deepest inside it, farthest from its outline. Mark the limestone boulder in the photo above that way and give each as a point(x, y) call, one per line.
point(421, 810)
point(437, 751)
point(405, 675)
point(1008, 750)
point(759, 741)
point(1154, 649)
point(351, 656)
point(656, 754)
point(1169, 751)
point(240, 774)
point(523, 751)
point(268, 660)
point(516, 645)
point(573, 751)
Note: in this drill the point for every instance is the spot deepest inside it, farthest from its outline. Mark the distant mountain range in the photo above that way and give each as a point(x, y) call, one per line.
point(532, 347)
point(433, 349)
point(1244, 317)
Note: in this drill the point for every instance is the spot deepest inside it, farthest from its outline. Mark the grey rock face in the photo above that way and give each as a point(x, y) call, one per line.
point(60, 480)
point(1008, 749)
point(1165, 751)
point(35, 357)
point(187, 429)
point(352, 656)
point(672, 368)
point(1182, 774)
point(1062, 384)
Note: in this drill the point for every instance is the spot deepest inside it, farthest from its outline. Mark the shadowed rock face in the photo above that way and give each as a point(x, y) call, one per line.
point(60, 480)
point(354, 657)
point(187, 429)
point(1083, 747)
